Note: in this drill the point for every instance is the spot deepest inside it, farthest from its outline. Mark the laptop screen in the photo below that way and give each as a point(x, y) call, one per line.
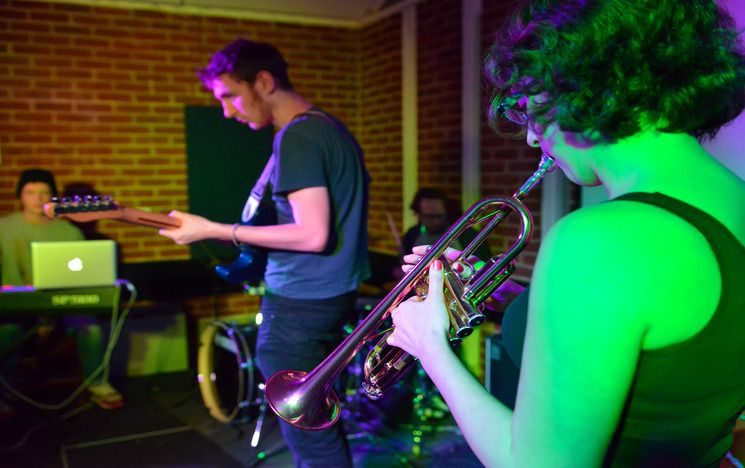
point(73, 264)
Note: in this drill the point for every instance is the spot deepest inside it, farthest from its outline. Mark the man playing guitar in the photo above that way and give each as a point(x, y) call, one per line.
point(317, 251)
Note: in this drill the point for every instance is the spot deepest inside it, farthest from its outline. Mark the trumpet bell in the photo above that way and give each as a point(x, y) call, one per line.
point(287, 395)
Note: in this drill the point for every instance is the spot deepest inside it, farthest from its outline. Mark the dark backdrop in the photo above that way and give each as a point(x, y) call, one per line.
point(224, 159)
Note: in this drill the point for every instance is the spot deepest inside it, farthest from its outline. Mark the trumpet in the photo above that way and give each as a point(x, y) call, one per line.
point(306, 400)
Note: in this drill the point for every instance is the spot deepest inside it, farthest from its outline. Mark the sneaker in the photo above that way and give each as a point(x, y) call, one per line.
point(105, 396)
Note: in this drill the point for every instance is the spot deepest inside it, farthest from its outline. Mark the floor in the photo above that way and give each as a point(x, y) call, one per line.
point(165, 423)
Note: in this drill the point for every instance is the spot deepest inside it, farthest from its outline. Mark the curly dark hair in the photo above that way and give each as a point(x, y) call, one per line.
point(244, 59)
point(611, 65)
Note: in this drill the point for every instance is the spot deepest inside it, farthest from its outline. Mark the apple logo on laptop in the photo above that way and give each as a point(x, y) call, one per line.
point(76, 264)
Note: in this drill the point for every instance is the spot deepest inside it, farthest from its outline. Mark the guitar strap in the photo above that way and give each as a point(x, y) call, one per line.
point(334, 124)
point(257, 192)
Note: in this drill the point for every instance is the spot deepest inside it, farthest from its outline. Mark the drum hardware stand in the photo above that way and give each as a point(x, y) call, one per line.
point(353, 401)
point(262, 455)
point(356, 408)
point(260, 402)
point(357, 430)
point(234, 341)
point(259, 418)
point(426, 408)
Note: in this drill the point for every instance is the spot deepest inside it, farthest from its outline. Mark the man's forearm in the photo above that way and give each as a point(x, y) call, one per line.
point(281, 236)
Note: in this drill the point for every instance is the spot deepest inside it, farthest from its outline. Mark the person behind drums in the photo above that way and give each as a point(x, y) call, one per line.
point(318, 250)
point(633, 353)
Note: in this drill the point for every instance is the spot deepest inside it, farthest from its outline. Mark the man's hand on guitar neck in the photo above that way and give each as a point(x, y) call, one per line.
point(309, 231)
point(193, 228)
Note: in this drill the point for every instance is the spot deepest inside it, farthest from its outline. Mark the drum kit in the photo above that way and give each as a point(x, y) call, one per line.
point(232, 387)
point(308, 400)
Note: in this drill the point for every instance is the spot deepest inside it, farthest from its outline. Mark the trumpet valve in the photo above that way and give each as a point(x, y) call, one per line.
point(477, 318)
point(463, 315)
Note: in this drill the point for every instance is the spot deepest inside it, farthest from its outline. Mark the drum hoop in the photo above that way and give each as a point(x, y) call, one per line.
point(205, 370)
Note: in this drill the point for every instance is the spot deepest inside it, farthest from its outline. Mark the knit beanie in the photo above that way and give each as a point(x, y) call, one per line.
point(36, 175)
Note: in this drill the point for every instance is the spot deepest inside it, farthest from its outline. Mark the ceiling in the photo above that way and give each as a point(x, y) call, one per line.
point(353, 10)
point(341, 13)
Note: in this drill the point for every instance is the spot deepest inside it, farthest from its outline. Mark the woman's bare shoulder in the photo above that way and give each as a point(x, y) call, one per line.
point(632, 258)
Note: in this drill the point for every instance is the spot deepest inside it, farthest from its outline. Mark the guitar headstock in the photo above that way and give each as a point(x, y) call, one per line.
point(83, 209)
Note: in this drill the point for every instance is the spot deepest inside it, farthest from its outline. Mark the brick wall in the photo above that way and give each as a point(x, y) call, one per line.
point(380, 131)
point(439, 97)
point(98, 94)
point(507, 163)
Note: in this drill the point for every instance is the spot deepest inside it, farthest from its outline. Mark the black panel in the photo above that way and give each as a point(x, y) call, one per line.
point(502, 374)
point(224, 160)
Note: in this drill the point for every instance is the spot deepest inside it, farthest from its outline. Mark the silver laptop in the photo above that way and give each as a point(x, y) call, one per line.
point(73, 264)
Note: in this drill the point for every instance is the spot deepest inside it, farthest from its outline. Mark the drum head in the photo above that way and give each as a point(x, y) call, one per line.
point(226, 370)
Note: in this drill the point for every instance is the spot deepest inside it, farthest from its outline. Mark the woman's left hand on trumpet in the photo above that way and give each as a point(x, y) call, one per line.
point(421, 325)
point(505, 292)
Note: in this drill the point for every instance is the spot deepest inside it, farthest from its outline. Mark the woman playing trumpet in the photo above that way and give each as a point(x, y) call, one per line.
point(633, 353)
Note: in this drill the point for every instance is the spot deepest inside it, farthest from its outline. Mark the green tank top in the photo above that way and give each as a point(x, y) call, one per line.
point(686, 397)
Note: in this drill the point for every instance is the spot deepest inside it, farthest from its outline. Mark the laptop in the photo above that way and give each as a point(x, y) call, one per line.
point(73, 264)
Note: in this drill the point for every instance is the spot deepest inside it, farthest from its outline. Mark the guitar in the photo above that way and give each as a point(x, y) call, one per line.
point(247, 268)
point(250, 264)
point(86, 209)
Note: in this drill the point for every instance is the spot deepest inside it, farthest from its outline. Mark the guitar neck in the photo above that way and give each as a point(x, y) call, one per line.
point(86, 212)
point(144, 218)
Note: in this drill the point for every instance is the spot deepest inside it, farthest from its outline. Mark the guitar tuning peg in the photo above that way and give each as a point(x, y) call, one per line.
point(76, 200)
point(65, 200)
point(54, 199)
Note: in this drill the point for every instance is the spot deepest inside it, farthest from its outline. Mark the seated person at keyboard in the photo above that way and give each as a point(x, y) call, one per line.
point(17, 231)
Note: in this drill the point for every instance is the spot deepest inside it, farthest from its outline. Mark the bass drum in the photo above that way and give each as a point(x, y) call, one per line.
point(228, 378)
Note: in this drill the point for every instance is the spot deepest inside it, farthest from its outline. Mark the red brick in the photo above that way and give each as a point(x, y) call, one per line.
point(122, 74)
